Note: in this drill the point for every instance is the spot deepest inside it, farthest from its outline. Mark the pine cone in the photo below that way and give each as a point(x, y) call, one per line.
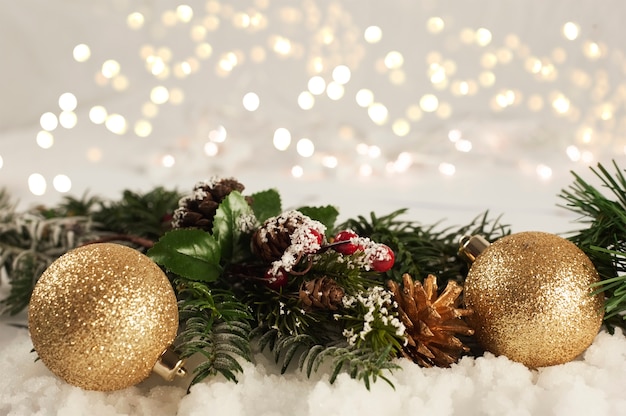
point(431, 321)
point(198, 209)
point(321, 293)
point(291, 229)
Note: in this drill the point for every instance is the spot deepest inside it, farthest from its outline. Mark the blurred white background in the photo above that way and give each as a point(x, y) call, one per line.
point(447, 108)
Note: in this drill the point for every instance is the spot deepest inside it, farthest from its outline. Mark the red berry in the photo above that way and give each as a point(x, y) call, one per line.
point(348, 247)
point(319, 237)
point(383, 259)
point(275, 280)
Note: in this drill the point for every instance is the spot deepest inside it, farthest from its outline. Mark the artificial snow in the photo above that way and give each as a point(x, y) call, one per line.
point(489, 385)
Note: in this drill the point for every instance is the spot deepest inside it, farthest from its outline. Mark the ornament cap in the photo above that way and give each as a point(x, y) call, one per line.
point(170, 365)
point(472, 246)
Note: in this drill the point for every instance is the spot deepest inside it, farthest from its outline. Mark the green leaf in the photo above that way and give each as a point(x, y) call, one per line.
point(227, 227)
point(190, 253)
point(266, 204)
point(327, 215)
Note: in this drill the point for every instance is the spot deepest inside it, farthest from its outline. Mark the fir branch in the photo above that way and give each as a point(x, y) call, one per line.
point(145, 215)
point(421, 250)
point(215, 326)
point(72, 207)
point(369, 320)
point(29, 243)
point(345, 270)
point(603, 238)
point(360, 363)
point(283, 310)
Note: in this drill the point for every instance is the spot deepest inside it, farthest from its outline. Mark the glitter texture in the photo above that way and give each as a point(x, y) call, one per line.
point(532, 301)
point(101, 315)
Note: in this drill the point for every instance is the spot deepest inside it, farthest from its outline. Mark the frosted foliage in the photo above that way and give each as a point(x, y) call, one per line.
point(592, 385)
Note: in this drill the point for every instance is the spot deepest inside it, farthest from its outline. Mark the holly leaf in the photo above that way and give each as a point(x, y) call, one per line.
point(327, 215)
point(228, 228)
point(266, 204)
point(190, 253)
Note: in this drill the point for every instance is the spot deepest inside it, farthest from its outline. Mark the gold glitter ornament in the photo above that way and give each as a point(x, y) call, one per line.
point(531, 297)
point(102, 317)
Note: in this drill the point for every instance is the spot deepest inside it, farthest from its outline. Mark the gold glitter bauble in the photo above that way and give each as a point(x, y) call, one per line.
point(532, 301)
point(101, 315)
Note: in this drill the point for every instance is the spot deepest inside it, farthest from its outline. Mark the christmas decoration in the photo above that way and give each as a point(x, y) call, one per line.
point(432, 321)
point(349, 240)
point(377, 256)
point(284, 239)
point(248, 275)
point(322, 292)
point(102, 316)
point(532, 298)
point(198, 209)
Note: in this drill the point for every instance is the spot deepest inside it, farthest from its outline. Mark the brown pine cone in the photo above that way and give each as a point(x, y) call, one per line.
point(321, 293)
point(198, 209)
point(291, 231)
point(432, 322)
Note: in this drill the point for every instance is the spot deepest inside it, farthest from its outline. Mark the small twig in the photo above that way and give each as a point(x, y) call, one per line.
point(306, 269)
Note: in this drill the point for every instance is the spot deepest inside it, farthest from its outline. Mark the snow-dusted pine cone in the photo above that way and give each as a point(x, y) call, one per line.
point(198, 209)
point(432, 322)
point(286, 238)
point(321, 293)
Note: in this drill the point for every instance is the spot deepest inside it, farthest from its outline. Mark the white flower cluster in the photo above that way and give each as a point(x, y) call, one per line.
point(377, 302)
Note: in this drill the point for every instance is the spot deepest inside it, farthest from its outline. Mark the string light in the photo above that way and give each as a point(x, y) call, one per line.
point(305, 147)
point(37, 184)
point(48, 121)
point(45, 139)
point(251, 101)
point(68, 101)
point(68, 119)
point(62, 183)
point(316, 85)
point(340, 56)
point(282, 139)
point(81, 52)
point(373, 34)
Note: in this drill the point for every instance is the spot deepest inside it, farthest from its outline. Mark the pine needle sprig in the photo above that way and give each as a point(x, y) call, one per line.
point(421, 250)
point(282, 310)
point(603, 237)
point(145, 215)
point(282, 347)
point(29, 243)
point(216, 326)
point(345, 270)
point(360, 363)
point(370, 320)
point(70, 206)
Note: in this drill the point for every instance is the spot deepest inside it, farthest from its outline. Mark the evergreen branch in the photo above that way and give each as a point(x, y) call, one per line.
point(603, 239)
point(422, 250)
point(216, 326)
point(145, 215)
point(361, 363)
point(370, 321)
point(29, 243)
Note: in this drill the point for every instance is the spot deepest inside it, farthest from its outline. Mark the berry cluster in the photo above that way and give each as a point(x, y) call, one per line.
point(306, 237)
point(378, 257)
